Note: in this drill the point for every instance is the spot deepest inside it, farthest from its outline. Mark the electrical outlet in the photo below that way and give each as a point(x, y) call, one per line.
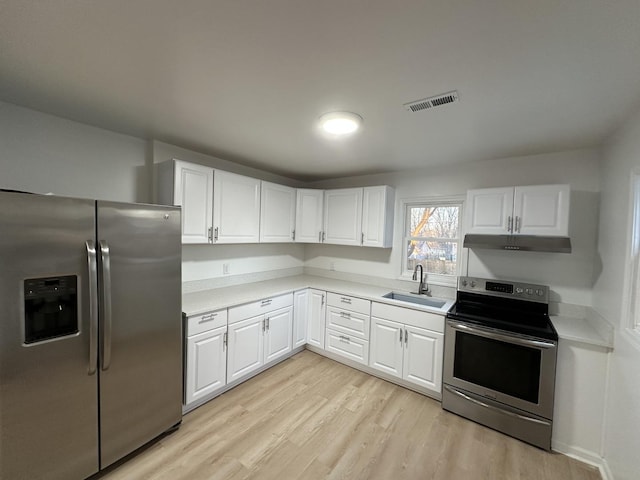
point(225, 269)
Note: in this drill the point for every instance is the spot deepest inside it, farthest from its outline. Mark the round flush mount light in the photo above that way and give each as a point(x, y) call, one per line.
point(340, 123)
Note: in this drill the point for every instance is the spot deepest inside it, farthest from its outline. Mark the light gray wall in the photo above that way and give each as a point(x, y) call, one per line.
point(570, 276)
point(622, 413)
point(42, 153)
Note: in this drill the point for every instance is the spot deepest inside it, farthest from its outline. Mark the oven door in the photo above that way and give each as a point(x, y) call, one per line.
point(513, 370)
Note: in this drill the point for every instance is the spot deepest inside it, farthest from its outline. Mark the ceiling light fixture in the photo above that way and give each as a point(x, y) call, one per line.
point(340, 123)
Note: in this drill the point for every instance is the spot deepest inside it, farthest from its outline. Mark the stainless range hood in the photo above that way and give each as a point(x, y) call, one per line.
point(529, 243)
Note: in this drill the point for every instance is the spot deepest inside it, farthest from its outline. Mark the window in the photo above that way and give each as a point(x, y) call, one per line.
point(432, 239)
point(634, 257)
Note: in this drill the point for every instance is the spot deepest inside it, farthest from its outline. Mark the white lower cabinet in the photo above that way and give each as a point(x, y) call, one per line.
point(261, 338)
point(206, 355)
point(246, 347)
point(206, 364)
point(405, 351)
point(278, 334)
point(351, 347)
point(300, 317)
point(316, 318)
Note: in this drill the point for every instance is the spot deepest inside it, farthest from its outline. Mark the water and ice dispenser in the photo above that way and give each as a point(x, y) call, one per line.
point(50, 308)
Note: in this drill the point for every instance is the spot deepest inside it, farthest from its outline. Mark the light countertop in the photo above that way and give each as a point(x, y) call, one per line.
point(195, 303)
point(582, 330)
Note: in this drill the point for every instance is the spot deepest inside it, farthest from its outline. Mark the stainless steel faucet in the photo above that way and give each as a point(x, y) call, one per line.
point(423, 288)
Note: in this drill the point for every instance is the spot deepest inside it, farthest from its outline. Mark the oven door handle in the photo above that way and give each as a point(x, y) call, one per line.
point(498, 336)
point(495, 409)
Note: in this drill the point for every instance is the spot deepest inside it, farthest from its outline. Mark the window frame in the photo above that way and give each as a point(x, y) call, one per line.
point(433, 278)
point(632, 301)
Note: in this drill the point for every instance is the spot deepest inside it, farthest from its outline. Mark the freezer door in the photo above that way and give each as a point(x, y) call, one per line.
point(141, 335)
point(48, 381)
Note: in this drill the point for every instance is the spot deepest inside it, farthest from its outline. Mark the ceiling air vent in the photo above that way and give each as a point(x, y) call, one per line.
point(430, 102)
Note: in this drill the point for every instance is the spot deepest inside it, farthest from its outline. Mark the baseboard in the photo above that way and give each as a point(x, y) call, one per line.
point(606, 472)
point(583, 455)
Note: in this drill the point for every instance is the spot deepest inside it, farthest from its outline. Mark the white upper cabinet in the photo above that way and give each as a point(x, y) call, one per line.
point(343, 216)
point(236, 208)
point(378, 205)
point(190, 186)
point(277, 213)
point(541, 210)
point(528, 210)
point(489, 210)
point(309, 208)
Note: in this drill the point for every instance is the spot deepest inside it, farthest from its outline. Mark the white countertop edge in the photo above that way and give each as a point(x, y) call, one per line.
point(579, 330)
point(197, 303)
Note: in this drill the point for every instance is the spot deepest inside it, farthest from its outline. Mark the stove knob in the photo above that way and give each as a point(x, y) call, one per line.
point(539, 292)
point(519, 290)
point(473, 284)
point(464, 283)
point(529, 291)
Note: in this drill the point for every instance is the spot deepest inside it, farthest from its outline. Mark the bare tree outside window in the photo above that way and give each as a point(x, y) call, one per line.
point(432, 238)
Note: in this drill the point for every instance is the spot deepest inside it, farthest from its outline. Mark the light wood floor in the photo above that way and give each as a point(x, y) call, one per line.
point(312, 418)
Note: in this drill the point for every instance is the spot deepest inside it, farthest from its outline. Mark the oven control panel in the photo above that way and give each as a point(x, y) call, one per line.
point(506, 289)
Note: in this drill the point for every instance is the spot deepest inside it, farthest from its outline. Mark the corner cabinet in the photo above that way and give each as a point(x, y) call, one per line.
point(526, 210)
point(378, 204)
point(189, 186)
point(407, 344)
point(309, 215)
point(316, 318)
point(343, 216)
point(300, 316)
point(236, 208)
point(277, 213)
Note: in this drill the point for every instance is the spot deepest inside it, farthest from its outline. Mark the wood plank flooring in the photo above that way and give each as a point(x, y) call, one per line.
point(312, 418)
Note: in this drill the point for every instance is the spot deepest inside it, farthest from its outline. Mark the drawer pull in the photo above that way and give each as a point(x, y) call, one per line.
point(345, 315)
point(208, 318)
point(344, 339)
point(266, 302)
point(345, 300)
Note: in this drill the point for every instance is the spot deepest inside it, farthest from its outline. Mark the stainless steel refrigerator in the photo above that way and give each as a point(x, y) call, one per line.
point(90, 332)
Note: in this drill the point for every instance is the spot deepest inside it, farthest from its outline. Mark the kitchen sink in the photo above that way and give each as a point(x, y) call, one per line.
point(416, 299)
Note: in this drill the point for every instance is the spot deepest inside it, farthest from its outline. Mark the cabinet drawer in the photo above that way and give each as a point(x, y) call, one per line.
point(205, 322)
point(347, 346)
point(348, 322)
point(258, 308)
point(408, 316)
point(350, 303)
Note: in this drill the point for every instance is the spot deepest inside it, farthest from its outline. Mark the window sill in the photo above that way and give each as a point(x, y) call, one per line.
point(440, 282)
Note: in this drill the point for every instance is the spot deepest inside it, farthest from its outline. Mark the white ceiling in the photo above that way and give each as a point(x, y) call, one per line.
point(246, 80)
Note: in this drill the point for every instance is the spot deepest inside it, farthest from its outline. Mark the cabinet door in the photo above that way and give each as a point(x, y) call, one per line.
point(277, 340)
point(423, 358)
point(316, 315)
point(489, 210)
point(277, 213)
point(378, 204)
point(386, 349)
point(309, 209)
point(246, 347)
point(343, 216)
point(300, 315)
point(542, 210)
point(206, 363)
point(193, 191)
point(236, 208)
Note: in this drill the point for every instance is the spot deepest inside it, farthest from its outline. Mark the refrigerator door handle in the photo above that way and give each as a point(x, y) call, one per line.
point(106, 307)
point(93, 306)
